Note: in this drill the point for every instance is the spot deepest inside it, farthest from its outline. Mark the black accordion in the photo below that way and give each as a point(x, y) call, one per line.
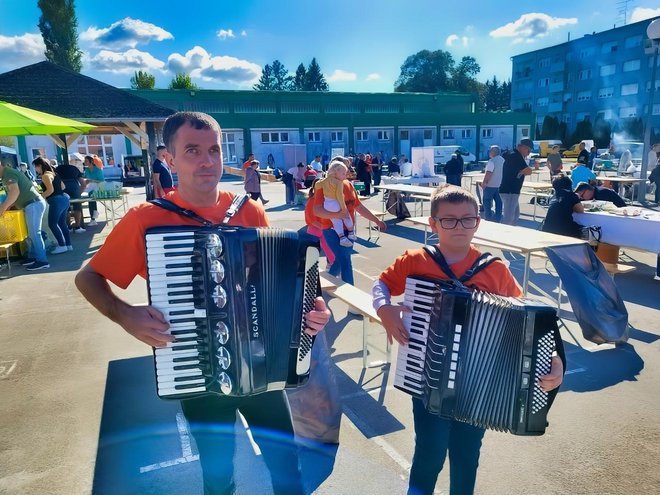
point(476, 357)
point(235, 299)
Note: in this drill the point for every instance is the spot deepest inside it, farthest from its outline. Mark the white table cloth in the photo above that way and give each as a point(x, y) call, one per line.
point(640, 232)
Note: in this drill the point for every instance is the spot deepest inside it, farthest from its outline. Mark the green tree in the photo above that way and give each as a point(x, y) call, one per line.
point(314, 78)
point(300, 78)
point(182, 81)
point(426, 72)
point(58, 25)
point(266, 81)
point(143, 80)
point(602, 132)
point(583, 130)
point(550, 128)
point(274, 77)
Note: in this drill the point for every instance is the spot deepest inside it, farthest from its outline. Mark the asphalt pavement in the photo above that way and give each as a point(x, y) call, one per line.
point(78, 411)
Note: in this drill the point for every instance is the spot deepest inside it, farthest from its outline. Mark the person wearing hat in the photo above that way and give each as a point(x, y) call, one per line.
point(514, 170)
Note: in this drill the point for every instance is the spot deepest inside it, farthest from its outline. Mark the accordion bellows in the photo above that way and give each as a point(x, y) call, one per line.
point(235, 299)
point(476, 357)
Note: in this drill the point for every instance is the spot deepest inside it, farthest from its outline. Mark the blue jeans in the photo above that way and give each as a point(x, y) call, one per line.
point(58, 211)
point(342, 262)
point(492, 194)
point(212, 420)
point(434, 436)
point(34, 213)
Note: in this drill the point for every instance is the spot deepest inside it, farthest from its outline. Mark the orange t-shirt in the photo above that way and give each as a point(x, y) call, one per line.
point(495, 278)
point(310, 218)
point(123, 254)
point(247, 164)
point(350, 198)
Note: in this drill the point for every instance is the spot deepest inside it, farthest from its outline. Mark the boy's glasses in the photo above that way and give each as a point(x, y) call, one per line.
point(451, 223)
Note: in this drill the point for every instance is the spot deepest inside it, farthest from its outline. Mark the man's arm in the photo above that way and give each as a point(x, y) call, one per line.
point(364, 211)
point(12, 195)
point(145, 323)
point(158, 188)
point(578, 208)
point(486, 180)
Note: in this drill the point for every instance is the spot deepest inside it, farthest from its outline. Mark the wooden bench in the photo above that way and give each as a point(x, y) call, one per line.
point(420, 198)
point(616, 268)
point(361, 303)
point(374, 230)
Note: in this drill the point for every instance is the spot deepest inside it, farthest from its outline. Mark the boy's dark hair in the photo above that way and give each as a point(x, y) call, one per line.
point(197, 120)
point(45, 166)
point(562, 182)
point(583, 186)
point(447, 193)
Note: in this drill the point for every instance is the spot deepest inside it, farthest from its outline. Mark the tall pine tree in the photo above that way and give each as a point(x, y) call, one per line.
point(143, 80)
point(314, 78)
point(300, 78)
point(58, 26)
point(266, 81)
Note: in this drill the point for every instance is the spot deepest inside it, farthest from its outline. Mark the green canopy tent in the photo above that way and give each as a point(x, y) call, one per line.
point(20, 121)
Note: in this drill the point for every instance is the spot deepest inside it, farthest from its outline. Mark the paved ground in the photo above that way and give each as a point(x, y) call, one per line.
point(78, 413)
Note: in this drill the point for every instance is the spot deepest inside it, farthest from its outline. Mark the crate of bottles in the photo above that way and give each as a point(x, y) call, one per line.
point(13, 227)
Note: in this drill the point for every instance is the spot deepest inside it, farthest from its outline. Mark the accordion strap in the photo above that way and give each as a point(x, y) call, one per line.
point(236, 204)
point(480, 264)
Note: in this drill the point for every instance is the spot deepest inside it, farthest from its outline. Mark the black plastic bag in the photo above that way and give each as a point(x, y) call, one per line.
point(595, 299)
point(396, 205)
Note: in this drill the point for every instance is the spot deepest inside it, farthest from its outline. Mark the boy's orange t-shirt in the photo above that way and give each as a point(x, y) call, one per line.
point(123, 254)
point(495, 278)
point(350, 198)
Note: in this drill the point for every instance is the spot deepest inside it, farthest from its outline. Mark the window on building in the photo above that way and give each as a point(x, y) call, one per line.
point(543, 82)
point(486, 133)
point(337, 136)
point(605, 114)
point(448, 134)
point(524, 131)
point(100, 146)
point(428, 133)
point(566, 118)
point(608, 70)
point(582, 116)
point(606, 92)
point(361, 135)
point(542, 102)
point(587, 53)
point(657, 85)
point(584, 96)
point(466, 134)
point(631, 65)
point(383, 135)
point(404, 135)
point(627, 112)
point(568, 97)
point(609, 47)
point(314, 137)
point(274, 137)
point(585, 74)
point(229, 147)
point(629, 89)
point(544, 62)
point(634, 41)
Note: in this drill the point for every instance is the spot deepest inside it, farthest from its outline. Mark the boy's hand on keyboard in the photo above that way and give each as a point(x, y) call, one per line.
point(146, 324)
point(318, 318)
point(390, 315)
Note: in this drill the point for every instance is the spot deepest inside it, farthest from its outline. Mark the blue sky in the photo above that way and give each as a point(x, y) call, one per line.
point(359, 44)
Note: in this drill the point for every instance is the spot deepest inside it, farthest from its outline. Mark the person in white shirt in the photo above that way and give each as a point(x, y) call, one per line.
point(491, 184)
point(316, 164)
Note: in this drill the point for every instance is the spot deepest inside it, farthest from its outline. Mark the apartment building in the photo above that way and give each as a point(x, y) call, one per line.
point(605, 74)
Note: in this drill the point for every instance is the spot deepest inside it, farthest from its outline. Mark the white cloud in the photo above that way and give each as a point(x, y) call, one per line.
point(124, 63)
point(244, 33)
point(200, 64)
point(373, 77)
point(342, 75)
point(450, 39)
point(127, 32)
point(24, 50)
point(532, 26)
point(226, 33)
point(641, 13)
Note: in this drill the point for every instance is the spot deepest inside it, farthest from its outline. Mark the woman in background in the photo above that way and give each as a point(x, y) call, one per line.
point(58, 205)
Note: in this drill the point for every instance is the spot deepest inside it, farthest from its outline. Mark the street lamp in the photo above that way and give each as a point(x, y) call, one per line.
point(653, 32)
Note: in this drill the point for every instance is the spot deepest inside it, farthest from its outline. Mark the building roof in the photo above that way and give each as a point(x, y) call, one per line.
point(50, 88)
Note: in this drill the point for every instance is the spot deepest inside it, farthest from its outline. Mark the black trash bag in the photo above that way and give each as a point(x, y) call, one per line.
point(595, 299)
point(396, 205)
point(316, 407)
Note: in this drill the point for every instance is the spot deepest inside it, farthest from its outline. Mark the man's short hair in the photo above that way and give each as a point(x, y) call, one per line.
point(583, 186)
point(447, 193)
point(160, 147)
point(495, 148)
point(197, 120)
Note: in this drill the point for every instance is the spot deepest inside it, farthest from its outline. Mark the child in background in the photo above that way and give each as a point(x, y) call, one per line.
point(333, 191)
point(454, 218)
point(315, 228)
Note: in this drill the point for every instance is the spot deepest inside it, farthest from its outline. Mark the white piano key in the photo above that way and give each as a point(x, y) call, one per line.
point(170, 391)
point(168, 351)
point(168, 374)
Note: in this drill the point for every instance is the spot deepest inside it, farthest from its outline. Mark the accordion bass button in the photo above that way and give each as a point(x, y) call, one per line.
point(214, 246)
point(222, 332)
point(225, 383)
point(217, 271)
point(224, 358)
point(219, 297)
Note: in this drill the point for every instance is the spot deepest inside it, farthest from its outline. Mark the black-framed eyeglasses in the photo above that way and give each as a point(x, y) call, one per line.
point(451, 223)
